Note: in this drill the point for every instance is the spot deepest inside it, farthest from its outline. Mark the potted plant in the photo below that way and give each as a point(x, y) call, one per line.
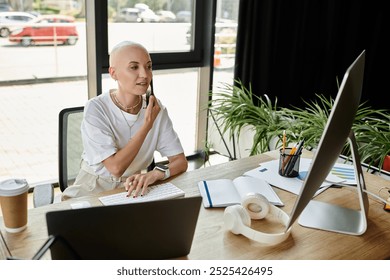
point(386, 163)
point(373, 136)
point(308, 123)
point(371, 128)
point(235, 108)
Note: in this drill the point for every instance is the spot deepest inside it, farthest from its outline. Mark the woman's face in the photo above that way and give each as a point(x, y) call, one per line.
point(132, 68)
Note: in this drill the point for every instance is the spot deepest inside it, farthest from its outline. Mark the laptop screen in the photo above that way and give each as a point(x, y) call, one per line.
point(161, 229)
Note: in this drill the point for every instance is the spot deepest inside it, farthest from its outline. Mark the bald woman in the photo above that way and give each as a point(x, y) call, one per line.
point(121, 132)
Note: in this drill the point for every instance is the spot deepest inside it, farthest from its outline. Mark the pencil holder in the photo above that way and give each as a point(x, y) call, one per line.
point(289, 162)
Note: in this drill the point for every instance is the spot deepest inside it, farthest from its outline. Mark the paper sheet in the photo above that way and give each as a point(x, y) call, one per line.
point(341, 173)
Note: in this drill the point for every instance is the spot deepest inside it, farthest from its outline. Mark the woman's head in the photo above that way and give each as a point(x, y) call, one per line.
point(131, 67)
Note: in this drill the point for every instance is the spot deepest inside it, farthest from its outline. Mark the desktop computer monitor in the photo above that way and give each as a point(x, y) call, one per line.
point(316, 214)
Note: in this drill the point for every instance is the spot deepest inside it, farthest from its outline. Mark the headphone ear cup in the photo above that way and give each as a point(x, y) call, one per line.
point(236, 218)
point(257, 205)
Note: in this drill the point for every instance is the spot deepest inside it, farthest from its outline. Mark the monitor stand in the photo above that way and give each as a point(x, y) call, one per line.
point(330, 217)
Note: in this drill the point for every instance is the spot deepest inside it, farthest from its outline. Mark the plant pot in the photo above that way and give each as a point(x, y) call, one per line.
point(386, 163)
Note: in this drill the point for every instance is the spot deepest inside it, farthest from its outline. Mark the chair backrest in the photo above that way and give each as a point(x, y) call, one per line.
point(70, 145)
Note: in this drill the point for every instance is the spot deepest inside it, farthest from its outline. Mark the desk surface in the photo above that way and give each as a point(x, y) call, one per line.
point(212, 241)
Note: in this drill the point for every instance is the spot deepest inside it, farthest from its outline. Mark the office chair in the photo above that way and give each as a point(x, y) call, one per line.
point(70, 148)
point(70, 145)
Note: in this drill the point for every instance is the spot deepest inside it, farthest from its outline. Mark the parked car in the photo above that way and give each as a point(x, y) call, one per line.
point(184, 16)
point(128, 15)
point(136, 15)
point(148, 16)
point(166, 16)
point(4, 7)
point(47, 29)
point(141, 7)
point(12, 20)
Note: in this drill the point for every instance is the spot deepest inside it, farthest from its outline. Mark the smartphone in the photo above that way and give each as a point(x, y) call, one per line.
point(149, 93)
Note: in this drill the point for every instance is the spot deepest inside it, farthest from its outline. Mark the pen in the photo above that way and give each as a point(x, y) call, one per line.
point(300, 146)
point(283, 148)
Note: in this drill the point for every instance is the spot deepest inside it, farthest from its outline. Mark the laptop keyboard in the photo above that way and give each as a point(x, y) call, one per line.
point(156, 192)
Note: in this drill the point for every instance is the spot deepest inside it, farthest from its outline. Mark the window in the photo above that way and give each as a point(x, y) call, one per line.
point(160, 27)
point(37, 80)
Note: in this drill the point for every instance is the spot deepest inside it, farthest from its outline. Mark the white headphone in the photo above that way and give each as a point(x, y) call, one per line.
point(237, 219)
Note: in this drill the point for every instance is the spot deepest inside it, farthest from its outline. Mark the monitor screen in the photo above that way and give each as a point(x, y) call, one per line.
point(334, 136)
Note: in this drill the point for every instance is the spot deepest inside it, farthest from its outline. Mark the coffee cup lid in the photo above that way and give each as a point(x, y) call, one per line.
point(12, 187)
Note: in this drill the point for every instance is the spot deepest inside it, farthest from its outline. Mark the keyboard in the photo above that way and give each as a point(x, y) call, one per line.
point(156, 192)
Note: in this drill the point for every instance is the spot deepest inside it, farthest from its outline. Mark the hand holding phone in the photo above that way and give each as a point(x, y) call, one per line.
point(149, 93)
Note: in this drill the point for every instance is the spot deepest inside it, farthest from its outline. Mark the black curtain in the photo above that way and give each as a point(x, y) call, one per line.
point(293, 50)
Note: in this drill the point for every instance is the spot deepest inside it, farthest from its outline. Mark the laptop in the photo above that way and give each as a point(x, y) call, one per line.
point(162, 229)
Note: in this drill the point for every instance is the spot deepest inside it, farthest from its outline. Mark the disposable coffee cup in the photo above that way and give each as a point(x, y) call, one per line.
point(13, 201)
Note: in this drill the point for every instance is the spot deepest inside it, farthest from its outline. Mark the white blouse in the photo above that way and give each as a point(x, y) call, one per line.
point(106, 129)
